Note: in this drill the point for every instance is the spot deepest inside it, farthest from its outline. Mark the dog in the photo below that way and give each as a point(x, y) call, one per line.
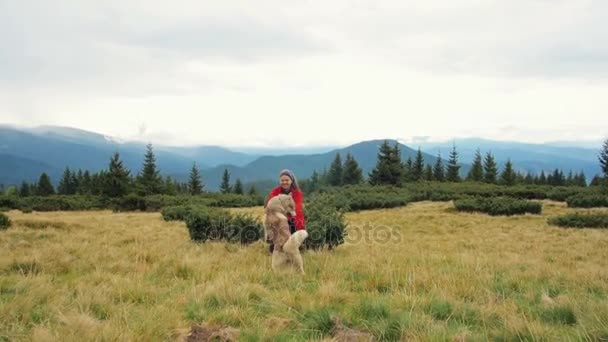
point(286, 245)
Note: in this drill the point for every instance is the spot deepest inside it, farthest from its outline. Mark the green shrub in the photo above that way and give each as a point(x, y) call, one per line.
point(587, 201)
point(233, 200)
point(498, 206)
point(177, 212)
point(244, 229)
point(61, 203)
point(130, 202)
point(207, 223)
point(581, 220)
point(10, 202)
point(5, 222)
point(325, 225)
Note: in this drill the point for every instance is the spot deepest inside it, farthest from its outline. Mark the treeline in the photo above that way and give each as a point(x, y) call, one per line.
point(390, 169)
point(117, 181)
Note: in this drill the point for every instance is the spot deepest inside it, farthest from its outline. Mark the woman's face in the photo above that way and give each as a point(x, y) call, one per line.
point(285, 182)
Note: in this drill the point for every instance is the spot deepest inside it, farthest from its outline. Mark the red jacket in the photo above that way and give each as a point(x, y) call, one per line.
point(298, 198)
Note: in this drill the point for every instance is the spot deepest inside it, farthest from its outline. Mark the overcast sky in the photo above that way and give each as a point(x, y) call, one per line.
point(307, 72)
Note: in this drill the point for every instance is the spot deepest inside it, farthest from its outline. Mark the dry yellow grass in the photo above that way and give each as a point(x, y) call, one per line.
point(443, 275)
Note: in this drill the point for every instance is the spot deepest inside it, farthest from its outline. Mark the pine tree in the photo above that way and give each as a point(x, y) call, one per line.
point(453, 170)
point(225, 187)
point(520, 178)
point(476, 172)
point(428, 173)
point(490, 169)
point(334, 176)
point(603, 159)
point(195, 185)
point(352, 173)
point(508, 176)
point(396, 166)
point(581, 179)
point(117, 181)
point(597, 181)
point(149, 181)
point(418, 167)
point(24, 190)
point(529, 180)
point(67, 184)
point(253, 191)
point(438, 170)
point(407, 170)
point(570, 179)
point(542, 179)
point(238, 187)
point(314, 182)
point(388, 168)
point(45, 187)
point(86, 184)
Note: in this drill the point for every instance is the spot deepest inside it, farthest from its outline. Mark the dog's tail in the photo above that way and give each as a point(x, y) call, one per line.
point(295, 240)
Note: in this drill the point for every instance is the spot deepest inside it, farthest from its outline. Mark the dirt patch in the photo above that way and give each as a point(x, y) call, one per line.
point(204, 333)
point(342, 333)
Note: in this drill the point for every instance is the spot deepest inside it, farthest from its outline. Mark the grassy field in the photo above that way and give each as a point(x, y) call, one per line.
point(428, 273)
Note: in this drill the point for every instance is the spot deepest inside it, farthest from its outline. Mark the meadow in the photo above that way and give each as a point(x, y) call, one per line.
point(423, 272)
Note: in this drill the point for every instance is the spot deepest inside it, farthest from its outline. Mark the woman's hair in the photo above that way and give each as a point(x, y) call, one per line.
point(294, 181)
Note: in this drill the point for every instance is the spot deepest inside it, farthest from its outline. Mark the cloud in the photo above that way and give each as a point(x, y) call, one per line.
point(337, 71)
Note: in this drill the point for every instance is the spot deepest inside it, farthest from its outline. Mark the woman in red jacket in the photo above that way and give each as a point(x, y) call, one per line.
point(289, 184)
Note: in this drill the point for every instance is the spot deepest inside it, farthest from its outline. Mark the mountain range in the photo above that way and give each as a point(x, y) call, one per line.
point(27, 152)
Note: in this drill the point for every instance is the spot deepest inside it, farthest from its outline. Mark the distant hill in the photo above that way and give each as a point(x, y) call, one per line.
point(27, 152)
point(526, 157)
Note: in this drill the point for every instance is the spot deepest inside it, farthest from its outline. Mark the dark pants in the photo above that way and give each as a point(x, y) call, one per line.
point(292, 229)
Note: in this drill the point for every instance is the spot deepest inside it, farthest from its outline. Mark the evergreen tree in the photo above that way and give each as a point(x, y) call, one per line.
point(490, 169)
point(238, 187)
point(170, 187)
point(396, 166)
point(581, 179)
point(418, 167)
point(529, 180)
point(334, 177)
point(476, 172)
point(314, 182)
point(428, 173)
point(352, 173)
point(542, 179)
point(438, 170)
point(253, 191)
point(407, 170)
point(388, 168)
point(117, 181)
point(570, 179)
point(225, 187)
point(508, 176)
point(149, 181)
point(520, 178)
point(45, 187)
point(67, 184)
point(195, 185)
point(603, 159)
point(24, 190)
point(86, 184)
point(597, 181)
point(453, 172)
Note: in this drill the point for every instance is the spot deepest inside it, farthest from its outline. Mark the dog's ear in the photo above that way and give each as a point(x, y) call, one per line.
point(290, 194)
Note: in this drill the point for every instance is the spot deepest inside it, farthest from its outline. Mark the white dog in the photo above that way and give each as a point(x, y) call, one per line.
point(286, 246)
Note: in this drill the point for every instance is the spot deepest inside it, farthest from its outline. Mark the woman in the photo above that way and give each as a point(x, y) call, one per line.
point(288, 184)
